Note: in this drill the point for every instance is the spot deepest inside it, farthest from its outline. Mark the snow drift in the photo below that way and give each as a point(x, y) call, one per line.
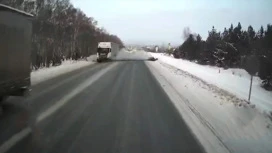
point(219, 125)
point(44, 74)
point(235, 81)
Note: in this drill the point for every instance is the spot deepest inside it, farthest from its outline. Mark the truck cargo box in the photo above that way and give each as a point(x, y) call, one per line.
point(15, 51)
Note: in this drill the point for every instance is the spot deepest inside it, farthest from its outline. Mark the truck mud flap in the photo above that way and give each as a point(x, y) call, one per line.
point(23, 91)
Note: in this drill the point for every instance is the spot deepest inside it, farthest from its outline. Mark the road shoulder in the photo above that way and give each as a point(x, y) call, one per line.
point(206, 137)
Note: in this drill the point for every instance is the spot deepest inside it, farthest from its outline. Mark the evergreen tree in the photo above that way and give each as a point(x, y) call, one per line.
point(212, 42)
point(225, 35)
point(239, 27)
point(231, 28)
point(231, 34)
point(232, 48)
point(251, 33)
point(198, 38)
point(268, 38)
point(237, 32)
point(261, 33)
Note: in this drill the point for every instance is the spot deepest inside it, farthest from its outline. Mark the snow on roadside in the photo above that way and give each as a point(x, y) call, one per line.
point(44, 74)
point(211, 115)
point(235, 81)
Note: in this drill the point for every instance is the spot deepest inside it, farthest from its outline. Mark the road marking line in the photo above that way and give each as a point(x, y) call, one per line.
point(73, 93)
point(14, 139)
point(25, 132)
point(58, 84)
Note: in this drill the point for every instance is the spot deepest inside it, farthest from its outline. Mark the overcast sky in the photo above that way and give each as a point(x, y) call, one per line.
point(162, 21)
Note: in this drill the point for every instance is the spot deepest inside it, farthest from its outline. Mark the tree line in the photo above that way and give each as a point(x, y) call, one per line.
point(61, 31)
point(232, 48)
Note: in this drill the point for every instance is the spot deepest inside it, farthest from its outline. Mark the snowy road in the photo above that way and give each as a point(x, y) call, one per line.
point(132, 105)
point(108, 107)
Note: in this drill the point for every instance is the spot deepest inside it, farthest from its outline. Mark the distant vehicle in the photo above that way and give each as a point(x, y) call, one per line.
point(157, 48)
point(106, 51)
point(15, 51)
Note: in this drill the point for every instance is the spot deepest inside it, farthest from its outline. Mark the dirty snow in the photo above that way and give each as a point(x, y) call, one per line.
point(209, 111)
point(235, 81)
point(44, 74)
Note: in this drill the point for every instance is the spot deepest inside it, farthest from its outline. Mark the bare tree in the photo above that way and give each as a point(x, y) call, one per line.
point(61, 31)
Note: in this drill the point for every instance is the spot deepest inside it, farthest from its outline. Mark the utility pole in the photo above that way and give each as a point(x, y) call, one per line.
point(252, 65)
point(250, 88)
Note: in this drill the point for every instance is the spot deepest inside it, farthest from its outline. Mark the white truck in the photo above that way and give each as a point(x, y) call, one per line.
point(106, 51)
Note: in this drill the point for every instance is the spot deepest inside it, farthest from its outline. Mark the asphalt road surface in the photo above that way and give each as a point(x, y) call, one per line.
point(91, 110)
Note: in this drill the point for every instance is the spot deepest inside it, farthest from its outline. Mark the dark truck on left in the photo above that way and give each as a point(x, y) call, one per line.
point(15, 52)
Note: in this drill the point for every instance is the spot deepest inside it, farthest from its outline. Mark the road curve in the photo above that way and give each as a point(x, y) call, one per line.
point(124, 111)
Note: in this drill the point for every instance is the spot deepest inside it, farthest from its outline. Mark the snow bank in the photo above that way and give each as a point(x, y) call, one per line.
point(235, 81)
point(66, 66)
point(219, 125)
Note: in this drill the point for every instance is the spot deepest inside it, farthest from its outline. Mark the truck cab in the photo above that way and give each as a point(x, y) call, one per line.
point(104, 50)
point(107, 50)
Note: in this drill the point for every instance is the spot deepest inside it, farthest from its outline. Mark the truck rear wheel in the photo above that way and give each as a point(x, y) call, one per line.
point(3, 98)
point(99, 60)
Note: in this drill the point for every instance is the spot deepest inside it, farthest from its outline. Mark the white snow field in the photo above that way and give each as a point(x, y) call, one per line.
point(44, 74)
point(211, 113)
point(235, 81)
